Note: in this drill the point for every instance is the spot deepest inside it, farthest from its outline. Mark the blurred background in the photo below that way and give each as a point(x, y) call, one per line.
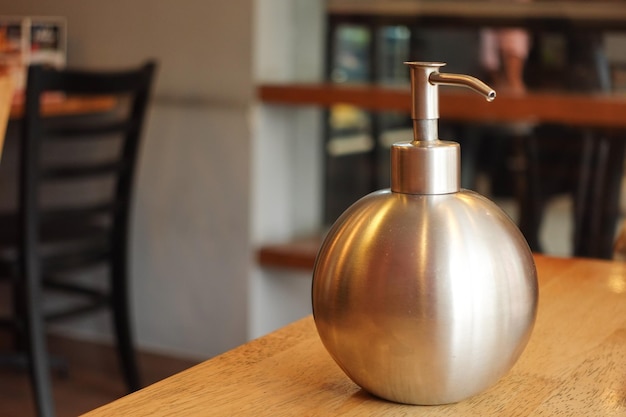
point(222, 173)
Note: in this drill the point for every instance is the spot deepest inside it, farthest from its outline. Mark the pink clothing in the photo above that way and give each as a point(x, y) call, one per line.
point(498, 42)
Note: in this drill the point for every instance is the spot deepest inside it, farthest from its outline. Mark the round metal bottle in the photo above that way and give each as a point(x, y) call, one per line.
point(425, 293)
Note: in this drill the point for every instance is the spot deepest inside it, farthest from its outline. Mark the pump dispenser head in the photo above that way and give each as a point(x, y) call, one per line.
point(428, 165)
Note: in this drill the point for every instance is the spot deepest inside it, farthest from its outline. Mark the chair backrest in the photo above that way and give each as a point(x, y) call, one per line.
point(58, 150)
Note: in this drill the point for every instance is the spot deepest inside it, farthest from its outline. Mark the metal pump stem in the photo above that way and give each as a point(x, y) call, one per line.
point(428, 165)
point(425, 79)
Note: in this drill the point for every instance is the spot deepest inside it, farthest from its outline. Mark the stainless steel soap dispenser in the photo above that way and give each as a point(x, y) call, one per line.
point(425, 293)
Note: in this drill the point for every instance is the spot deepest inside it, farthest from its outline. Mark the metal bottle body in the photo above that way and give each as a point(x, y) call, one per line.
point(424, 299)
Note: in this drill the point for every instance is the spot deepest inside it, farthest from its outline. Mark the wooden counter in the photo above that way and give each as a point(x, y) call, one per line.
point(598, 110)
point(298, 253)
point(574, 365)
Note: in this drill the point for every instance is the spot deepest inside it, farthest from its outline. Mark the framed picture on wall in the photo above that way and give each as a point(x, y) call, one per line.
point(26, 40)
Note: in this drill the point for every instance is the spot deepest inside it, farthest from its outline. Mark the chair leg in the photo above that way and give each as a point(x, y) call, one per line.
point(19, 310)
point(599, 208)
point(122, 323)
point(530, 196)
point(583, 200)
point(37, 352)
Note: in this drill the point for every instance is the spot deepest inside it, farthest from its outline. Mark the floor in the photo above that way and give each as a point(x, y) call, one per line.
point(92, 379)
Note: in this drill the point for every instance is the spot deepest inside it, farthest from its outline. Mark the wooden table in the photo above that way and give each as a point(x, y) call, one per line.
point(68, 106)
point(574, 365)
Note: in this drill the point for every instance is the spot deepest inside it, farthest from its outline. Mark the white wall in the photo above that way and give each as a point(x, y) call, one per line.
point(287, 160)
point(219, 173)
point(191, 236)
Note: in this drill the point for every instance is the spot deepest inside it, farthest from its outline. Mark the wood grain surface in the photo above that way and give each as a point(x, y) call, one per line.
point(574, 365)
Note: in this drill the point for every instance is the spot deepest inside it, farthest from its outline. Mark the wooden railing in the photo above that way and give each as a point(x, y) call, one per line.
point(590, 110)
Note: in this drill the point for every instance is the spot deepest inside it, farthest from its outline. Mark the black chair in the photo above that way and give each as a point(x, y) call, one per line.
point(585, 164)
point(76, 178)
point(588, 167)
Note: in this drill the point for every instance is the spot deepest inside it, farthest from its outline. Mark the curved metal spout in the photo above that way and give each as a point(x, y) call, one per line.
point(425, 81)
point(463, 80)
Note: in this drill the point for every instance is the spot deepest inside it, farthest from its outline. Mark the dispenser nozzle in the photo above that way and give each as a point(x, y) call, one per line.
point(463, 80)
point(425, 79)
